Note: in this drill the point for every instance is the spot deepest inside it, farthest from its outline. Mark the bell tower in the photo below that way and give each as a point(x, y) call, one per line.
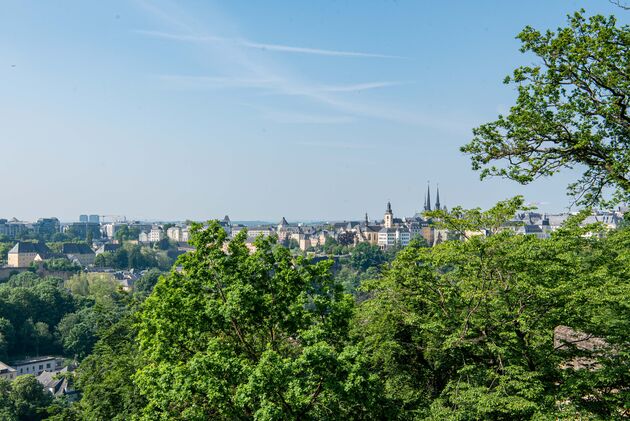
point(388, 220)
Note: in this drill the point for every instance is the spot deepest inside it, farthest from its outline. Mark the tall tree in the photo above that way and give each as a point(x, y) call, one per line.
point(465, 330)
point(571, 111)
point(236, 335)
point(29, 398)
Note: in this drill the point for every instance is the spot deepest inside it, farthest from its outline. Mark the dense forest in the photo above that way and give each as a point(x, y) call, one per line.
point(494, 326)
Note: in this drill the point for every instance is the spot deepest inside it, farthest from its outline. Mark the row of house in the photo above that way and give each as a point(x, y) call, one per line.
point(46, 369)
point(34, 366)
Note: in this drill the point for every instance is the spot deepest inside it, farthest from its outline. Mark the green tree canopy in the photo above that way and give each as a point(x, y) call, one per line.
point(236, 335)
point(571, 111)
point(29, 399)
point(465, 330)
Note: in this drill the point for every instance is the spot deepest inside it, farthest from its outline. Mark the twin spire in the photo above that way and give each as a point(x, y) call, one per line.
point(427, 199)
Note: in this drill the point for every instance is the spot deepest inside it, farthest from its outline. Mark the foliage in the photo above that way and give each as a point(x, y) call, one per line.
point(125, 233)
point(572, 110)
point(147, 281)
point(5, 246)
point(32, 310)
point(332, 246)
point(240, 335)
point(61, 265)
point(28, 398)
point(346, 238)
point(104, 377)
point(77, 332)
point(465, 330)
point(132, 256)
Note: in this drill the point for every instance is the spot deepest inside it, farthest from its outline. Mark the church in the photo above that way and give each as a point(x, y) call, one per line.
point(399, 232)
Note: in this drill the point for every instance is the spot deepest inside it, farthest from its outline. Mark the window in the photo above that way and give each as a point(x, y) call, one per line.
point(48, 365)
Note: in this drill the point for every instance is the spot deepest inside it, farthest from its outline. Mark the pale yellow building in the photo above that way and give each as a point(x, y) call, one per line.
point(25, 253)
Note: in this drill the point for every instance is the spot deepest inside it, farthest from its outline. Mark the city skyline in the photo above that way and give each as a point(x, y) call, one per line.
point(170, 111)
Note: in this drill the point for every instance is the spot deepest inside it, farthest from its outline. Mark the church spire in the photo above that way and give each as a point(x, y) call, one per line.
point(437, 199)
point(367, 221)
point(427, 205)
point(388, 220)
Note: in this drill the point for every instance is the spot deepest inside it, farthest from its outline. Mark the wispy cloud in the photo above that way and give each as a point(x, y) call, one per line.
point(231, 55)
point(219, 82)
point(241, 42)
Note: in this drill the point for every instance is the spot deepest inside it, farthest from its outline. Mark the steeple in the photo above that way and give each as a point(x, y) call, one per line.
point(427, 203)
point(367, 221)
point(388, 220)
point(437, 199)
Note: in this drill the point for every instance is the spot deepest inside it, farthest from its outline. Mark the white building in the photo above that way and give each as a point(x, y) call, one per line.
point(390, 237)
point(179, 234)
point(7, 372)
point(156, 234)
point(143, 237)
point(37, 366)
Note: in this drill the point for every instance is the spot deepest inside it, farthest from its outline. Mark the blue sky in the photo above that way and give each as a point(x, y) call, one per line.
point(256, 109)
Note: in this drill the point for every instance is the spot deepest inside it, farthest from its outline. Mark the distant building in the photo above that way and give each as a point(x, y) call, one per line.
point(7, 372)
point(37, 366)
point(80, 253)
point(179, 234)
point(47, 226)
point(24, 253)
point(83, 218)
point(388, 219)
point(227, 225)
point(156, 234)
point(95, 219)
point(109, 248)
point(390, 237)
point(110, 229)
point(82, 229)
point(54, 385)
point(13, 228)
point(257, 231)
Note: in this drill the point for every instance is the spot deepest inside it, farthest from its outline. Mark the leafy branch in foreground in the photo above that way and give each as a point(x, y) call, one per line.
point(240, 335)
point(571, 111)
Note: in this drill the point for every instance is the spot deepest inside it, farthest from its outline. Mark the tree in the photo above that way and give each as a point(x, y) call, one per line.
point(237, 335)
point(4, 252)
point(6, 334)
point(366, 255)
point(29, 398)
point(7, 412)
point(346, 238)
point(61, 265)
point(465, 330)
point(125, 233)
point(43, 338)
point(104, 377)
point(77, 332)
point(121, 259)
point(145, 284)
point(571, 110)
